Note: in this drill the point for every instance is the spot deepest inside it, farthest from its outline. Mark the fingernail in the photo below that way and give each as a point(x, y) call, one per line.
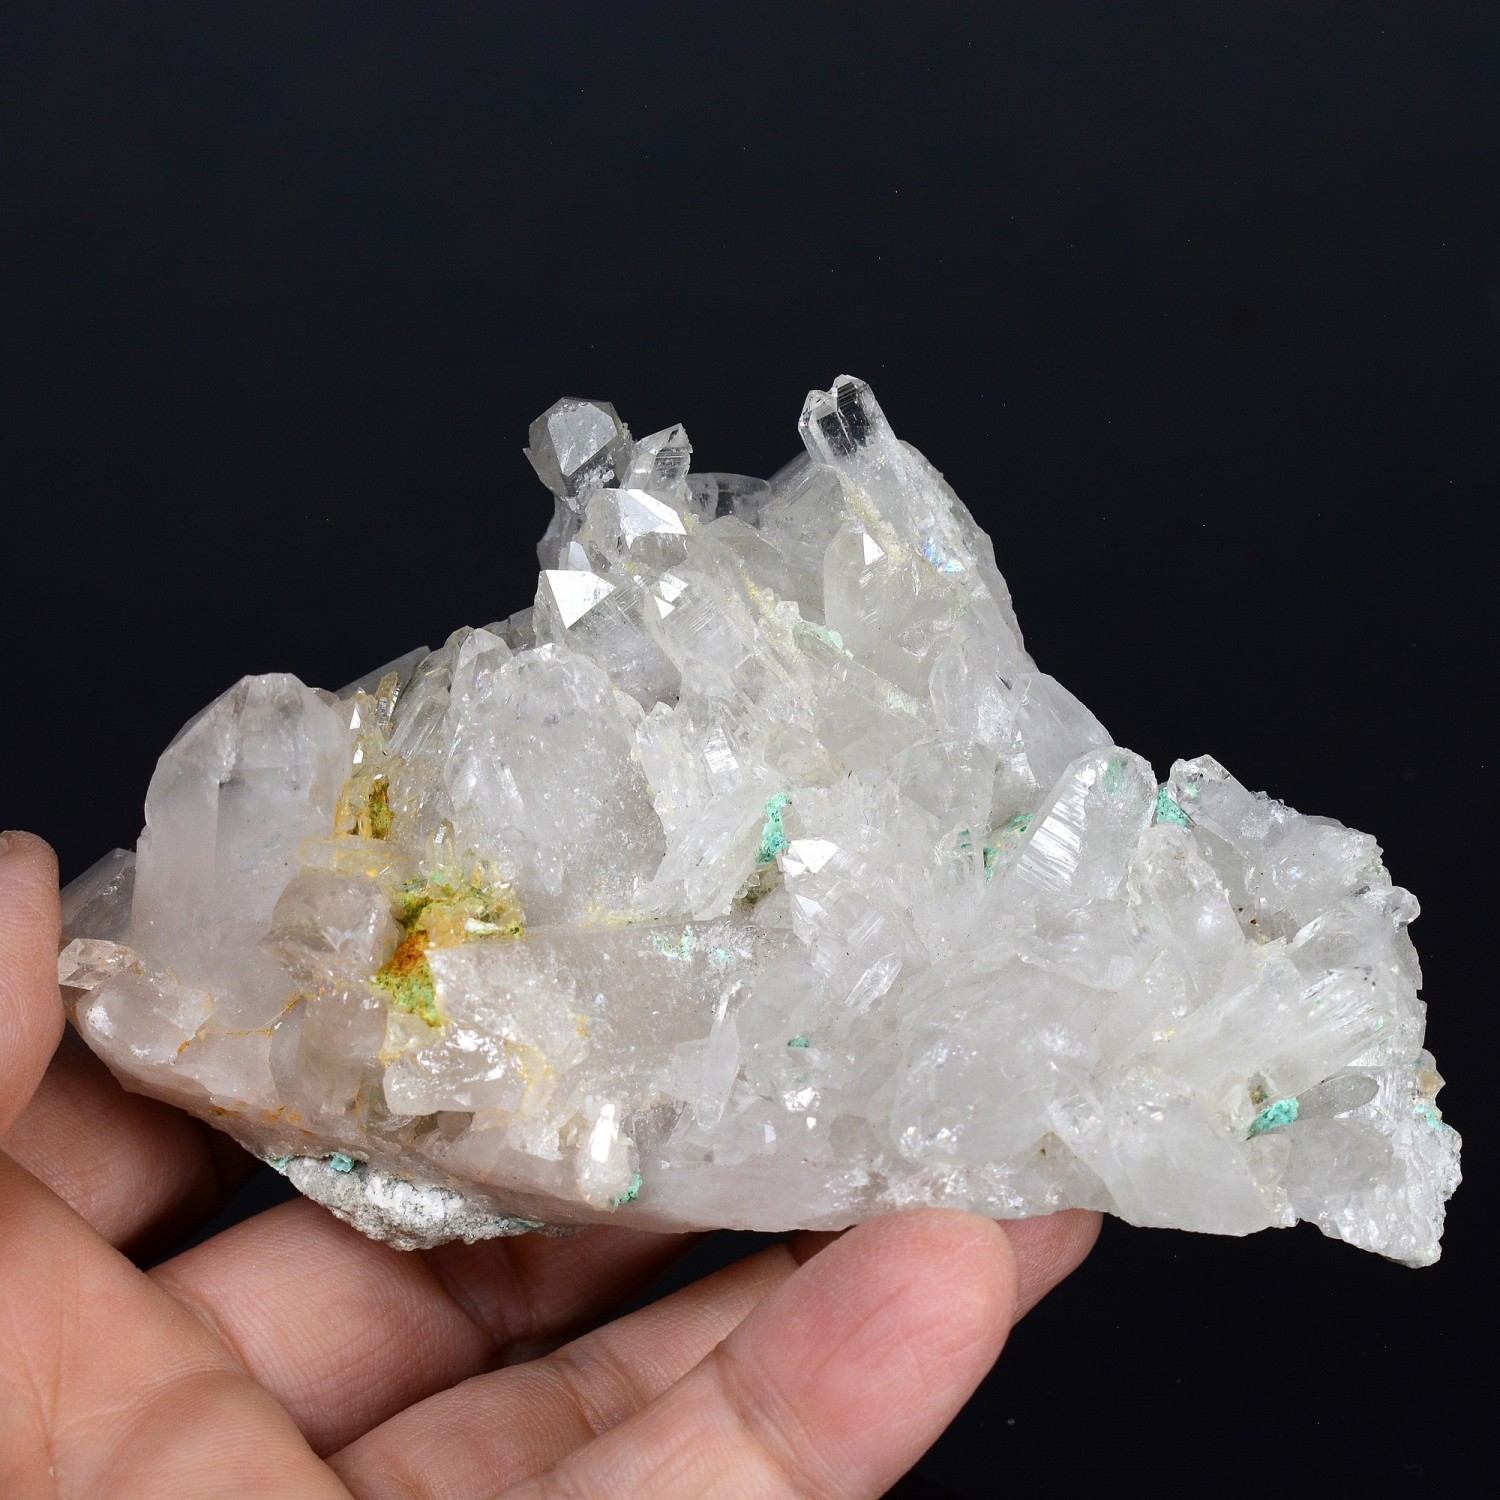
point(4, 843)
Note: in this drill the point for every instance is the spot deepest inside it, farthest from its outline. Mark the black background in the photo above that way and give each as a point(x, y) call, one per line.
point(1199, 310)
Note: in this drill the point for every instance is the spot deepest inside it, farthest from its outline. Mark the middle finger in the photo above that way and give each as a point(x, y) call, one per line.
point(345, 1331)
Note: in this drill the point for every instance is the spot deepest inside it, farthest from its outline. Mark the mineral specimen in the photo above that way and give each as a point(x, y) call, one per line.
point(755, 876)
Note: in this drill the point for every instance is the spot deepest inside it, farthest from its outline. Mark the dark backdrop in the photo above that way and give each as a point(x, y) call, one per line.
point(1199, 311)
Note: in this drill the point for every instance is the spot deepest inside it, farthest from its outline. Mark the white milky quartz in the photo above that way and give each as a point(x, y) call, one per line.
point(756, 877)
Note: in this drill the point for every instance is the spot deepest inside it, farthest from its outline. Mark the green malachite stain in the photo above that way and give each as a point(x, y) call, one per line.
point(1167, 810)
point(1274, 1116)
point(1114, 775)
point(1011, 828)
point(773, 837)
point(629, 1195)
point(679, 948)
point(828, 637)
point(341, 1161)
point(797, 1041)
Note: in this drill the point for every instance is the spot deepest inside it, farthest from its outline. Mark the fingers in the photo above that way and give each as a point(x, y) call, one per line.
point(137, 1170)
point(107, 1387)
point(495, 1430)
point(1049, 1249)
point(31, 1015)
point(835, 1383)
point(345, 1332)
point(143, 1174)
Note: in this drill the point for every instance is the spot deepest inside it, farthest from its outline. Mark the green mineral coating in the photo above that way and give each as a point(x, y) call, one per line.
point(433, 900)
point(1018, 824)
point(965, 841)
point(341, 1161)
point(1167, 810)
point(629, 1195)
point(381, 816)
point(1431, 1116)
point(723, 958)
point(901, 703)
point(773, 837)
point(491, 910)
point(1273, 1116)
point(797, 1041)
point(1114, 775)
point(828, 637)
point(418, 894)
point(410, 987)
point(278, 1162)
point(679, 948)
point(991, 854)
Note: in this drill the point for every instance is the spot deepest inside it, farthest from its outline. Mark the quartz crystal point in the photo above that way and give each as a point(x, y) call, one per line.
point(756, 877)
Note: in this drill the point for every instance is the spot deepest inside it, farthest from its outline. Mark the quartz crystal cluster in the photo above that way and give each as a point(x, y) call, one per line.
point(755, 876)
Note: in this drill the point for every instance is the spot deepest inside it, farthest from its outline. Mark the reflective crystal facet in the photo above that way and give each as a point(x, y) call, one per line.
point(755, 876)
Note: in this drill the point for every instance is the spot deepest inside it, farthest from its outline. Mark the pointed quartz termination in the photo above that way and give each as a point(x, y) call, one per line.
point(659, 463)
point(911, 561)
point(576, 446)
point(846, 429)
point(736, 495)
point(564, 597)
point(755, 876)
point(632, 530)
point(98, 902)
point(606, 621)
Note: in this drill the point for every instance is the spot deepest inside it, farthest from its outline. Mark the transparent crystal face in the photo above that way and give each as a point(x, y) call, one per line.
point(755, 876)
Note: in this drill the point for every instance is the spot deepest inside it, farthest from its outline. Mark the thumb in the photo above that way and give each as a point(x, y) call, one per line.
point(31, 1014)
point(832, 1387)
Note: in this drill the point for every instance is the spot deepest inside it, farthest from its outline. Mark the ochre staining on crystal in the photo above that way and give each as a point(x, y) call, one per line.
point(835, 901)
point(438, 911)
point(365, 806)
point(407, 979)
point(378, 810)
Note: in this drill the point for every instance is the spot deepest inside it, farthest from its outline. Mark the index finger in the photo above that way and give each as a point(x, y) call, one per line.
point(31, 1015)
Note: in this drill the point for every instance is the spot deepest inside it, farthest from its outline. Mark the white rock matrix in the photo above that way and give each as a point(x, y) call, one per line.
point(756, 877)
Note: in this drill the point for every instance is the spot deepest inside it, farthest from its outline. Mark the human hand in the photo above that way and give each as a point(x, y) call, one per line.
point(291, 1356)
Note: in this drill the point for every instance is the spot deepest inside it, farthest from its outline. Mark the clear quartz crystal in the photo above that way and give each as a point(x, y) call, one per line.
point(755, 876)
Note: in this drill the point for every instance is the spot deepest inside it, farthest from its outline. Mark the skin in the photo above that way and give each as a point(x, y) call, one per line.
point(291, 1356)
